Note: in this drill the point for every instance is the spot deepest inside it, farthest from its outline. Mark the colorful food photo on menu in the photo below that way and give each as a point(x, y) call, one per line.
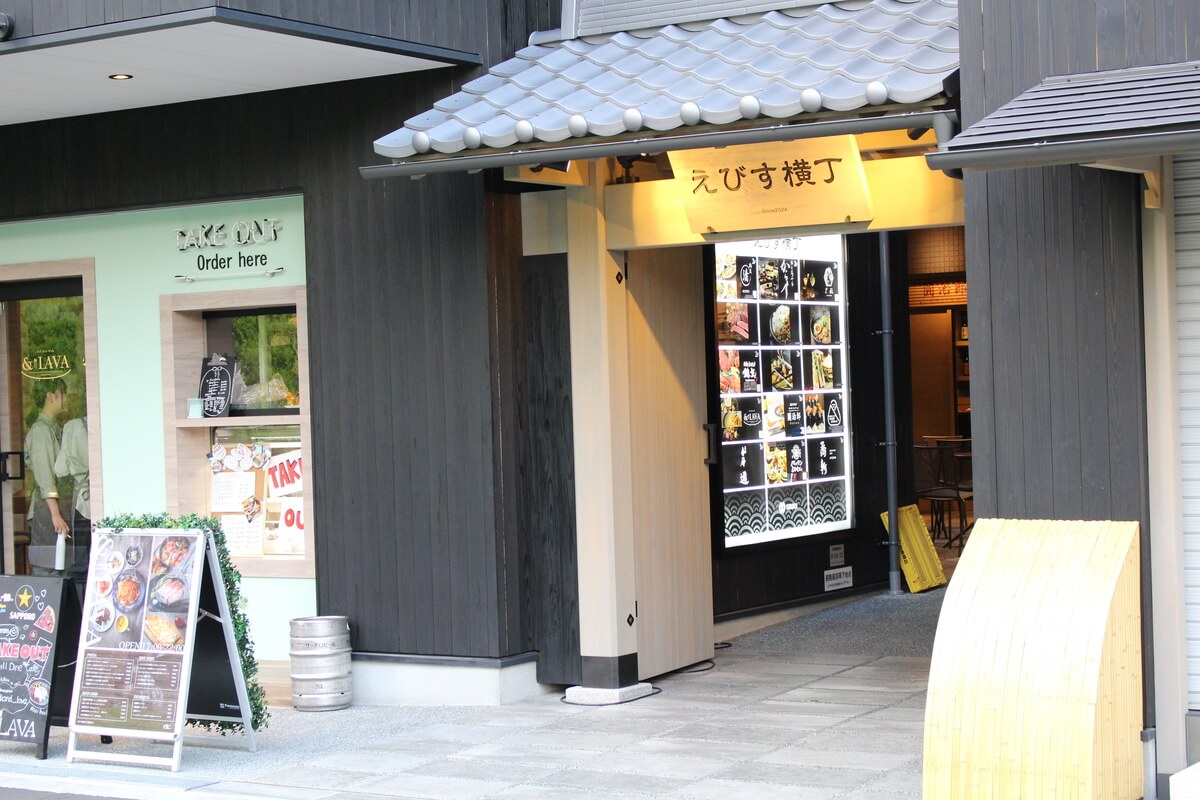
point(822, 372)
point(731, 420)
point(781, 371)
point(730, 366)
point(773, 416)
point(814, 413)
point(129, 609)
point(820, 325)
point(780, 322)
point(777, 463)
point(819, 280)
point(727, 283)
point(776, 278)
point(733, 323)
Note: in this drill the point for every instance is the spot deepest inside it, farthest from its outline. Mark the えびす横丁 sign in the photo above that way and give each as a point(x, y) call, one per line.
point(779, 184)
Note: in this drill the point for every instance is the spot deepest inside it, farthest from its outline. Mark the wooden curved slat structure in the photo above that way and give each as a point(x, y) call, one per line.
point(1035, 686)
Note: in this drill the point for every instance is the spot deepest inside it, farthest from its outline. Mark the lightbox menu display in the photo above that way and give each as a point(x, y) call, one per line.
point(785, 448)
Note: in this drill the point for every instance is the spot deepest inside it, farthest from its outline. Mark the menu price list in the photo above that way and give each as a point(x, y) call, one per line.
point(129, 689)
point(783, 393)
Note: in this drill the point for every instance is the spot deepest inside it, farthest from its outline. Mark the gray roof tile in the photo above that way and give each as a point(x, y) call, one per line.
point(1112, 113)
point(642, 78)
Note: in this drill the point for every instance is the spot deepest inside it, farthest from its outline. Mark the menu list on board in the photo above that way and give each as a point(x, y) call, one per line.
point(783, 393)
point(139, 613)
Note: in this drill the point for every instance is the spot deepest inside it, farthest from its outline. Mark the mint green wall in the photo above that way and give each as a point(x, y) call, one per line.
point(136, 260)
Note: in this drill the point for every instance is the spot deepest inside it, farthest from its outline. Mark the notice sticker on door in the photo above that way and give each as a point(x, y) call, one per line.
point(840, 578)
point(837, 555)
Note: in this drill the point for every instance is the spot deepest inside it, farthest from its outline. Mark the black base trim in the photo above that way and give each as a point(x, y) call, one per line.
point(609, 672)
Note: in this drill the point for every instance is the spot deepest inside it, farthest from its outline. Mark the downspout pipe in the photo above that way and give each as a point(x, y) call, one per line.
point(889, 413)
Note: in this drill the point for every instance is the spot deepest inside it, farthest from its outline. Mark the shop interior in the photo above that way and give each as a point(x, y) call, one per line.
point(939, 336)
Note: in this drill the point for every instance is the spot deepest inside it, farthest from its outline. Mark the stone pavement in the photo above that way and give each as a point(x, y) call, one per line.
point(827, 706)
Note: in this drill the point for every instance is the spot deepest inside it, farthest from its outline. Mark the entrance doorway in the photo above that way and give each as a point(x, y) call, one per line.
point(45, 443)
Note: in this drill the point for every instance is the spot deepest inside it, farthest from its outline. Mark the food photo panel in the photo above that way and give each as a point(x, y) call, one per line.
point(735, 323)
point(116, 592)
point(781, 371)
point(821, 325)
point(825, 458)
point(742, 465)
point(835, 421)
point(747, 277)
point(819, 280)
point(776, 278)
point(779, 324)
point(823, 369)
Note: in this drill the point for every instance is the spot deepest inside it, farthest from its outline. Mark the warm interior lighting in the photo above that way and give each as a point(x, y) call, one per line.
point(120, 76)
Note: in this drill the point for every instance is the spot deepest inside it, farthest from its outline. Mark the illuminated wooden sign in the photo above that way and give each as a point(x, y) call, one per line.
point(775, 185)
point(937, 294)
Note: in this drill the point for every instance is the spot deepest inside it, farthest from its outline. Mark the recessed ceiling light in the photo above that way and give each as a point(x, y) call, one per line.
point(120, 76)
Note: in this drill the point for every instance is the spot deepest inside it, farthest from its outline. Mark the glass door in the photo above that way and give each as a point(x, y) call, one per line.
point(43, 429)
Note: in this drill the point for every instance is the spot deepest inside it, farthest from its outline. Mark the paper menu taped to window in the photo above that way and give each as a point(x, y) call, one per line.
point(242, 537)
point(285, 474)
point(230, 490)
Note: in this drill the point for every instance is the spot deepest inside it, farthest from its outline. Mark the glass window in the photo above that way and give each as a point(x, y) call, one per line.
point(263, 342)
point(257, 489)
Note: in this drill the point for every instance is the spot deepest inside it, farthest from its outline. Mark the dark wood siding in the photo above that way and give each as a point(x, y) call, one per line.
point(550, 592)
point(494, 28)
point(786, 573)
point(403, 308)
point(1053, 263)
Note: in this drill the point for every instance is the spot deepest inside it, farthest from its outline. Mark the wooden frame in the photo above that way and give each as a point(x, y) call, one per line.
point(85, 270)
point(188, 440)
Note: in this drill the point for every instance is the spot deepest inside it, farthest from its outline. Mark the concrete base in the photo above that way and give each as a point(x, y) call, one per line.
point(588, 696)
point(416, 681)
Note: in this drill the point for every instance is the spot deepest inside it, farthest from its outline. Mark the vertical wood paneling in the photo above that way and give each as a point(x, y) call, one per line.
point(1063, 342)
point(550, 589)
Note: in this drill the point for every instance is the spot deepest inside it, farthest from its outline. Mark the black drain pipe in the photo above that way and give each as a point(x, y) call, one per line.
point(889, 414)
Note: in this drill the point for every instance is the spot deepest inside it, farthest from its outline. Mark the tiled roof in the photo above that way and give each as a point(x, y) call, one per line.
point(780, 64)
point(1086, 116)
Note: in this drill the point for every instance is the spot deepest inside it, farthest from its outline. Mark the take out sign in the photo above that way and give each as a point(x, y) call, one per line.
point(285, 474)
point(780, 184)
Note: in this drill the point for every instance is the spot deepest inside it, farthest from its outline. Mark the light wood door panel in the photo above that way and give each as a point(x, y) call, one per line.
point(672, 529)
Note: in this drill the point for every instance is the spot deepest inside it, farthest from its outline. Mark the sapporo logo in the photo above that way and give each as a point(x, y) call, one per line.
point(46, 365)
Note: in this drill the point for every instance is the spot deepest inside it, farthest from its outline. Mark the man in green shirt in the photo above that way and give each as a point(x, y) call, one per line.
point(42, 444)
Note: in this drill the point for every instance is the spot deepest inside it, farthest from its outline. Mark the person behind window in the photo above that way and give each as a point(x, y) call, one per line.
point(42, 444)
point(72, 462)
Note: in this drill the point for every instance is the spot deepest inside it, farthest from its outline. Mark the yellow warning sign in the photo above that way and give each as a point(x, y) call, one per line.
point(918, 558)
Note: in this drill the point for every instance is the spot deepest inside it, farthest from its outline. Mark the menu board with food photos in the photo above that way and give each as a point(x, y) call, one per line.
point(783, 387)
point(134, 666)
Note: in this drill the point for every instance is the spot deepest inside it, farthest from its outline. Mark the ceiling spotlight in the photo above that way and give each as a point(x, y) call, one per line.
point(120, 76)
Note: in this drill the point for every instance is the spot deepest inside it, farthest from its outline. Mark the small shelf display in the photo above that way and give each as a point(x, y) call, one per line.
point(962, 371)
point(783, 389)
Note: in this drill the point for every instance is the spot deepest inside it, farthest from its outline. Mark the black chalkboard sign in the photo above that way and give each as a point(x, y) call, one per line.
point(216, 385)
point(35, 690)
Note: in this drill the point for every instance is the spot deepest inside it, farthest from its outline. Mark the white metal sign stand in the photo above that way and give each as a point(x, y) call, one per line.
point(143, 616)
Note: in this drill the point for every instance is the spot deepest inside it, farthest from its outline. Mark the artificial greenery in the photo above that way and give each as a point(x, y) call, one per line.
point(232, 578)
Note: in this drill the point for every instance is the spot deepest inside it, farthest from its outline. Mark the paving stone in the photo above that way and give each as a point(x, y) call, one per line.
point(798, 774)
point(433, 787)
point(714, 789)
point(854, 759)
